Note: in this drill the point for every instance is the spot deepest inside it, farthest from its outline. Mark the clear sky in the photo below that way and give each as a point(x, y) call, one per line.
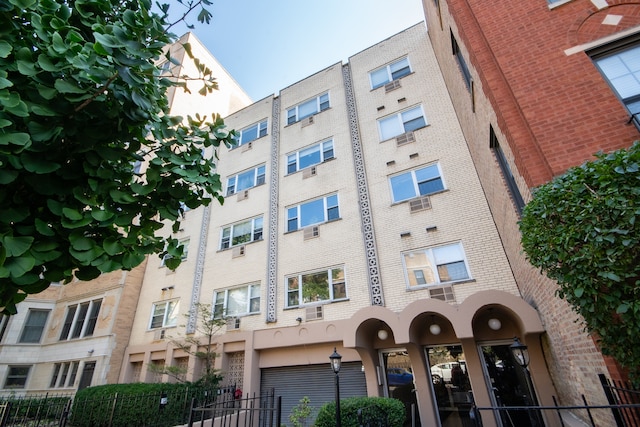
point(269, 45)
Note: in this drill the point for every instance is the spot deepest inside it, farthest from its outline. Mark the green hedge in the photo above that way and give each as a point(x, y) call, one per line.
point(136, 404)
point(376, 411)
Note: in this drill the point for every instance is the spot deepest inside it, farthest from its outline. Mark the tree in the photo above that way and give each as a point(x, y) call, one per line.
point(581, 230)
point(82, 99)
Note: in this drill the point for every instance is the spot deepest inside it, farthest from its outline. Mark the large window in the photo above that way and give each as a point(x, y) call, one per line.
point(34, 326)
point(246, 180)
point(318, 286)
point(241, 233)
point(418, 182)
point(17, 376)
point(464, 69)
point(64, 374)
point(506, 170)
point(390, 72)
point(236, 301)
point(405, 121)
point(313, 212)
point(436, 265)
point(310, 156)
point(253, 132)
point(308, 108)
point(621, 68)
point(164, 314)
point(80, 320)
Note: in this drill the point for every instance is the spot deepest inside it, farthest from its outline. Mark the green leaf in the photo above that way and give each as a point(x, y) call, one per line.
point(5, 48)
point(112, 246)
point(16, 246)
point(72, 214)
point(19, 266)
point(64, 86)
point(87, 273)
point(37, 164)
point(23, 4)
point(43, 228)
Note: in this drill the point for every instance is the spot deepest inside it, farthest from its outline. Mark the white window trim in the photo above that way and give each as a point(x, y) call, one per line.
point(429, 253)
point(185, 252)
point(165, 314)
point(415, 182)
point(231, 227)
point(256, 179)
point(389, 73)
point(330, 284)
point(318, 108)
point(398, 116)
point(25, 325)
point(250, 287)
point(26, 377)
point(321, 149)
point(298, 216)
point(258, 136)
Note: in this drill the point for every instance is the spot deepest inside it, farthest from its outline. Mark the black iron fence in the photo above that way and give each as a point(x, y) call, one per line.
point(41, 410)
point(249, 411)
point(621, 393)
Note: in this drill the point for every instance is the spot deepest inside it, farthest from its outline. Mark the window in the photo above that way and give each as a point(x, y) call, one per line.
point(318, 286)
point(621, 68)
point(313, 212)
point(308, 108)
point(405, 121)
point(253, 132)
point(185, 252)
point(390, 72)
point(241, 233)
point(418, 182)
point(435, 265)
point(236, 301)
point(17, 376)
point(4, 322)
point(164, 314)
point(64, 374)
point(246, 180)
point(506, 170)
point(80, 320)
point(310, 156)
point(466, 75)
point(34, 326)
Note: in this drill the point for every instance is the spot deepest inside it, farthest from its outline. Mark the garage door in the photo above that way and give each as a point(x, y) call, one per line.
point(317, 382)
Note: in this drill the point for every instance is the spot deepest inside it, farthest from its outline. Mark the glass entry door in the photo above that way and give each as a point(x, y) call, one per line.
point(510, 385)
point(398, 382)
point(451, 386)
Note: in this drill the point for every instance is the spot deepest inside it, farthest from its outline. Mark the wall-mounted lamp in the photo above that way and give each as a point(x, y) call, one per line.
point(299, 320)
point(494, 324)
point(435, 329)
point(90, 351)
point(383, 334)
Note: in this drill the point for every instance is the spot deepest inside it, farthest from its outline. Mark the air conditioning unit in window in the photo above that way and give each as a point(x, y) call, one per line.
point(311, 232)
point(306, 121)
point(238, 251)
point(246, 147)
point(393, 85)
point(419, 204)
point(159, 334)
point(233, 323)
point(313, 313)
point(243, 195)
point(309, 172)
point(405, 138)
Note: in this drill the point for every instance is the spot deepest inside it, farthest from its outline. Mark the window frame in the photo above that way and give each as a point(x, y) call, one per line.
point(256, 234)
point(64, 374)
point(462, 63)
point(253, 294)
point(390, 74)
point(398, 121)
point(509, 178)
point(416, 182)
point(23, 384)
point(322, 101)
point(185, 252)
point(27, 328)
point(167, 312)
point(432, 266)
point(75, 327)
point(262, 130)
point(332, 283)
point(326, 150)
point(259, 178)
point(328, 212)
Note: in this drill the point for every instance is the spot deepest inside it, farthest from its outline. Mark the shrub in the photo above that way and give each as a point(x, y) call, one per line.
point(376, 411)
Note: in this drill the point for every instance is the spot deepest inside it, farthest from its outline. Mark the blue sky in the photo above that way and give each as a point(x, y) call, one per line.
point(269, 45)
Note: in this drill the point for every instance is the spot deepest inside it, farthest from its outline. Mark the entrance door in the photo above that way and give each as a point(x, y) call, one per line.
point(451, 386)
point(398, 382)
point(87, 375)
point(510, 386)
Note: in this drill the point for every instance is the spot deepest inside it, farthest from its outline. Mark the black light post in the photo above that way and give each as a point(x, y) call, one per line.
point(336, 361)
point(521, 354)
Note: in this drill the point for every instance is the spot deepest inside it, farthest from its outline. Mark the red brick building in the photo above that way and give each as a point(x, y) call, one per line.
point(539, 87)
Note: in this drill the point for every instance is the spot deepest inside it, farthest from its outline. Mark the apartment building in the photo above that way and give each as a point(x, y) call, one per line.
point(354, 219)
point(539, 87)
point(70, 337)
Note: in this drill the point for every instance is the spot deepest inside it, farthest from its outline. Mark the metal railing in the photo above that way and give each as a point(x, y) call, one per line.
point(255, 411)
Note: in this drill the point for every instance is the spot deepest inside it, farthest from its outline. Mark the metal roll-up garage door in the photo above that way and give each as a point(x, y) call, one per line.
point(317, 382)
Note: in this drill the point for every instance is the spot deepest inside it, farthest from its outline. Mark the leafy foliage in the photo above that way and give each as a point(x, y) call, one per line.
point(581, 230)
point(357, 411)
point(82, 99)
point(301, 413)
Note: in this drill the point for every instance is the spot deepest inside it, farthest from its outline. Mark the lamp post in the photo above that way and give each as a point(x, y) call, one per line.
point(521, 354)
point(336, 361)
